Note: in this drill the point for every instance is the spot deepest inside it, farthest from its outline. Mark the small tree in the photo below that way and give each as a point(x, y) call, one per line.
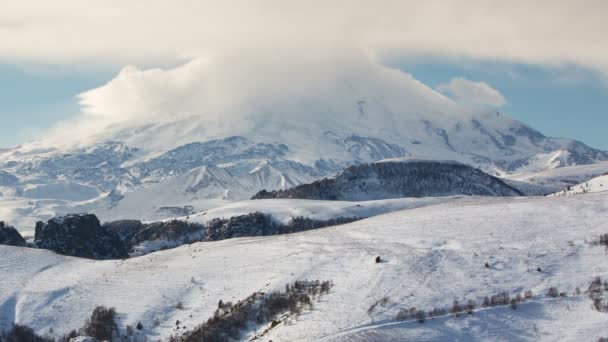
point(456, 308)
point(518, 298)
point(101, 325)
point(402, 315)
point(553, 292)
point(420, 316)
point(470, 306)
point(486, 302)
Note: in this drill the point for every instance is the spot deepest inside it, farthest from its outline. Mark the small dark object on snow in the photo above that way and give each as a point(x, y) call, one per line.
point(487, 265)
point(378, 260)
point(539, 269)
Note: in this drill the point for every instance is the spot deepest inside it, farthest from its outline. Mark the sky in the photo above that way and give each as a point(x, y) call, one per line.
point(517, 57)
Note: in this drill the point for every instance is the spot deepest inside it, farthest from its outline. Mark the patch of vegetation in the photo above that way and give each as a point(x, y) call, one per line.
point(22, 333)
point(230, 320)
point(598, 293)
point(457, 309)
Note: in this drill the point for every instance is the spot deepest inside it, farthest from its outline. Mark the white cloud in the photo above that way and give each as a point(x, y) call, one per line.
point(471, 92)
point(122, 32)
point(239, 94)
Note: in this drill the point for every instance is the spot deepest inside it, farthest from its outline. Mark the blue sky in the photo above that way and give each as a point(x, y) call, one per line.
point(31, 101)
point(565, 102)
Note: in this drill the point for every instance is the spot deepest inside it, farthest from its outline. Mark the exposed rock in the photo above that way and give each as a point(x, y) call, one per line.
point(81, 236)
point(10, 236)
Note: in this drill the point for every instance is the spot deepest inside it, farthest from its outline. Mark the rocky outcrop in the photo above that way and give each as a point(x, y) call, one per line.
point(81, 236)
point(10, 236)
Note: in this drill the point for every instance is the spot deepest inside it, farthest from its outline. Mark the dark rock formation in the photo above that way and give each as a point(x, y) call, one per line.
point(10, 236)
point(80, 236)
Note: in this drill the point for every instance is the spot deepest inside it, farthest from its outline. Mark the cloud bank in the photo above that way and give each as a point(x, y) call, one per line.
point(240, 94)
point(154, 32)
point(234, 64)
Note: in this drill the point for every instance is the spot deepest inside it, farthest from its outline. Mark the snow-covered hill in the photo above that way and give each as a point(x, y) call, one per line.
point(282, 210)
point(399, 178)
point(562, 177)
point(433, 255)
point(597, 184)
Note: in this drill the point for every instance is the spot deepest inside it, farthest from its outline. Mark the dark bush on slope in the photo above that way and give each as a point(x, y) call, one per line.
point(81, 236)
point(399, 179)
point(101, 325)
point(10, 236)
point(259, 224)
point(254, 224)
point(22, 333)
point(603, 240)
point(170, 230)
point(126, 229)
point(598, 293)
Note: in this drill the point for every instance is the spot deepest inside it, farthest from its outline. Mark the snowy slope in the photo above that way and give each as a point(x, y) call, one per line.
point(433, 255)
point(597, 184)
point(282, 210)
point(562, 177)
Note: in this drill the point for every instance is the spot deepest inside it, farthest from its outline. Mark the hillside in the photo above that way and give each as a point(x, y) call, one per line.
point(400, 178)
point(597, 184)
point(433, 255)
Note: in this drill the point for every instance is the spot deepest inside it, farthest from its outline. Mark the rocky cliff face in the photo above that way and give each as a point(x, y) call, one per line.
point(10, 236)
point(80, 236)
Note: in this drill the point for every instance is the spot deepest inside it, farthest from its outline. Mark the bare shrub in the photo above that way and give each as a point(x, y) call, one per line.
point(553, 292)
point(101, 325)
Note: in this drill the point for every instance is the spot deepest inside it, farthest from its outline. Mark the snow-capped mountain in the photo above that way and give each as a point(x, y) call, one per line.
point(318, 126)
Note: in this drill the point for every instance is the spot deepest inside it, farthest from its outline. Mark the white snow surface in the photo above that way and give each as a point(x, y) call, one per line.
point(282, 210)
point(597, 184)
point(433, 255)
point(562, 177)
